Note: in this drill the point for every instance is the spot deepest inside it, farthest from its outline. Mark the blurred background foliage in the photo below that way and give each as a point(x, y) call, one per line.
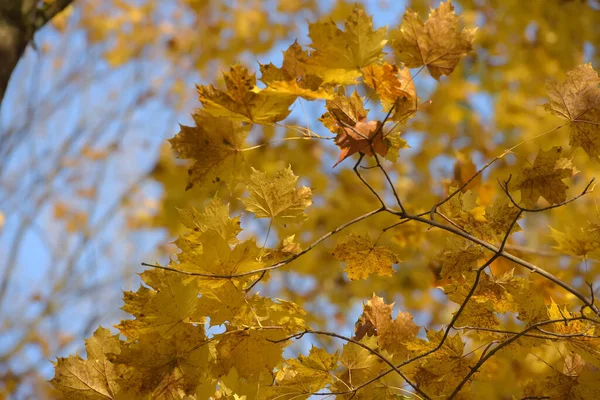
point(89, 188)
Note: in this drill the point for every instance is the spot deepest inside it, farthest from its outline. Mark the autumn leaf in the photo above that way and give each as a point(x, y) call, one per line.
point(292, 78)
point(577, 99)
point(304, 375)
point(360, 363)
point(250, 352)
point(214, 144)
point(363, 258)
point(361, 138)
point(287, 248)
point(217, 258)
point(438, 43)
point(343, 112)
point(165, 310)
point(459, 258)
point(214, 217)
point(277, 198)
point(337, 55)
point(488, 223)
point(544, 178)
point(94, 378)
point(243, 101)
point(581, 242)
point(376, 320)
point(159, 365)
point(395, 88)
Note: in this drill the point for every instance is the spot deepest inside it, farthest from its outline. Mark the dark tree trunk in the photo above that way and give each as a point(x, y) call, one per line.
point(19, 20)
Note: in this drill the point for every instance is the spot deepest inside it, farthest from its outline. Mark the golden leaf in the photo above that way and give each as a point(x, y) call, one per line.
point(577, 99)
point(376, 319)
point(292, 77)
point(94, 378)
point(215, 144)
point(243, 101)
point(578, 241)
point(250, 352)
point(305, 374)
point(214, 217)
point(363, 258)
point(438, 43)
point(545, 177)
point(395, 87)
point(339, 55)
point(277, 198)
point(343, 112)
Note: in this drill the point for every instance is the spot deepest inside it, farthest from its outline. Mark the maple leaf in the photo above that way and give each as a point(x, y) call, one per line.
point(442, 370)
point(577, 99)
point(218, 258)
point(338, 55)
point(438, 43)
point(360, 363)
point(251, 352)
point(488, 223)
point(214, 217)
point(376, 319)
point(363, 258)
point(287, 248)
point(361, 138)
point(243, 101)
point(225, 303)
point(459, 258)
point(94, 378)
point(578, 241)
point(165, 310)
point(277, 198)
point(491, 290)
point(215, 144)
point(480, 314)
point(545, 177)
point(564, 327)
point(564, 386)
point(292, 77)
point(347, 118)
point(395, 87)
point(343, 112)
point(161, 366)
point(305, 374)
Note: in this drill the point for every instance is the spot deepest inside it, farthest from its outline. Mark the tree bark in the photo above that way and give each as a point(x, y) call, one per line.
point(19, 20)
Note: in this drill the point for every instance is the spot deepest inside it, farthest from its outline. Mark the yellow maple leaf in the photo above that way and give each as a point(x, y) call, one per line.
point(395, 87)
point(337, 55)
point(215, 144)
point(251, 352)
point(563, 327)
point(292, 77)
point(175, 365)
point(214, 217)
point(544, 178)
point(277, 198)
point(459, 258)
point(94, 378)
point(304, 375)
point(165, 310)
point(438, 43)
point(343, 112)
point(578, 241)
point(208, 253)
point(361, 364)
point(376, 319)
point(243, 101)
point(577, 99)
point(363, 258)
